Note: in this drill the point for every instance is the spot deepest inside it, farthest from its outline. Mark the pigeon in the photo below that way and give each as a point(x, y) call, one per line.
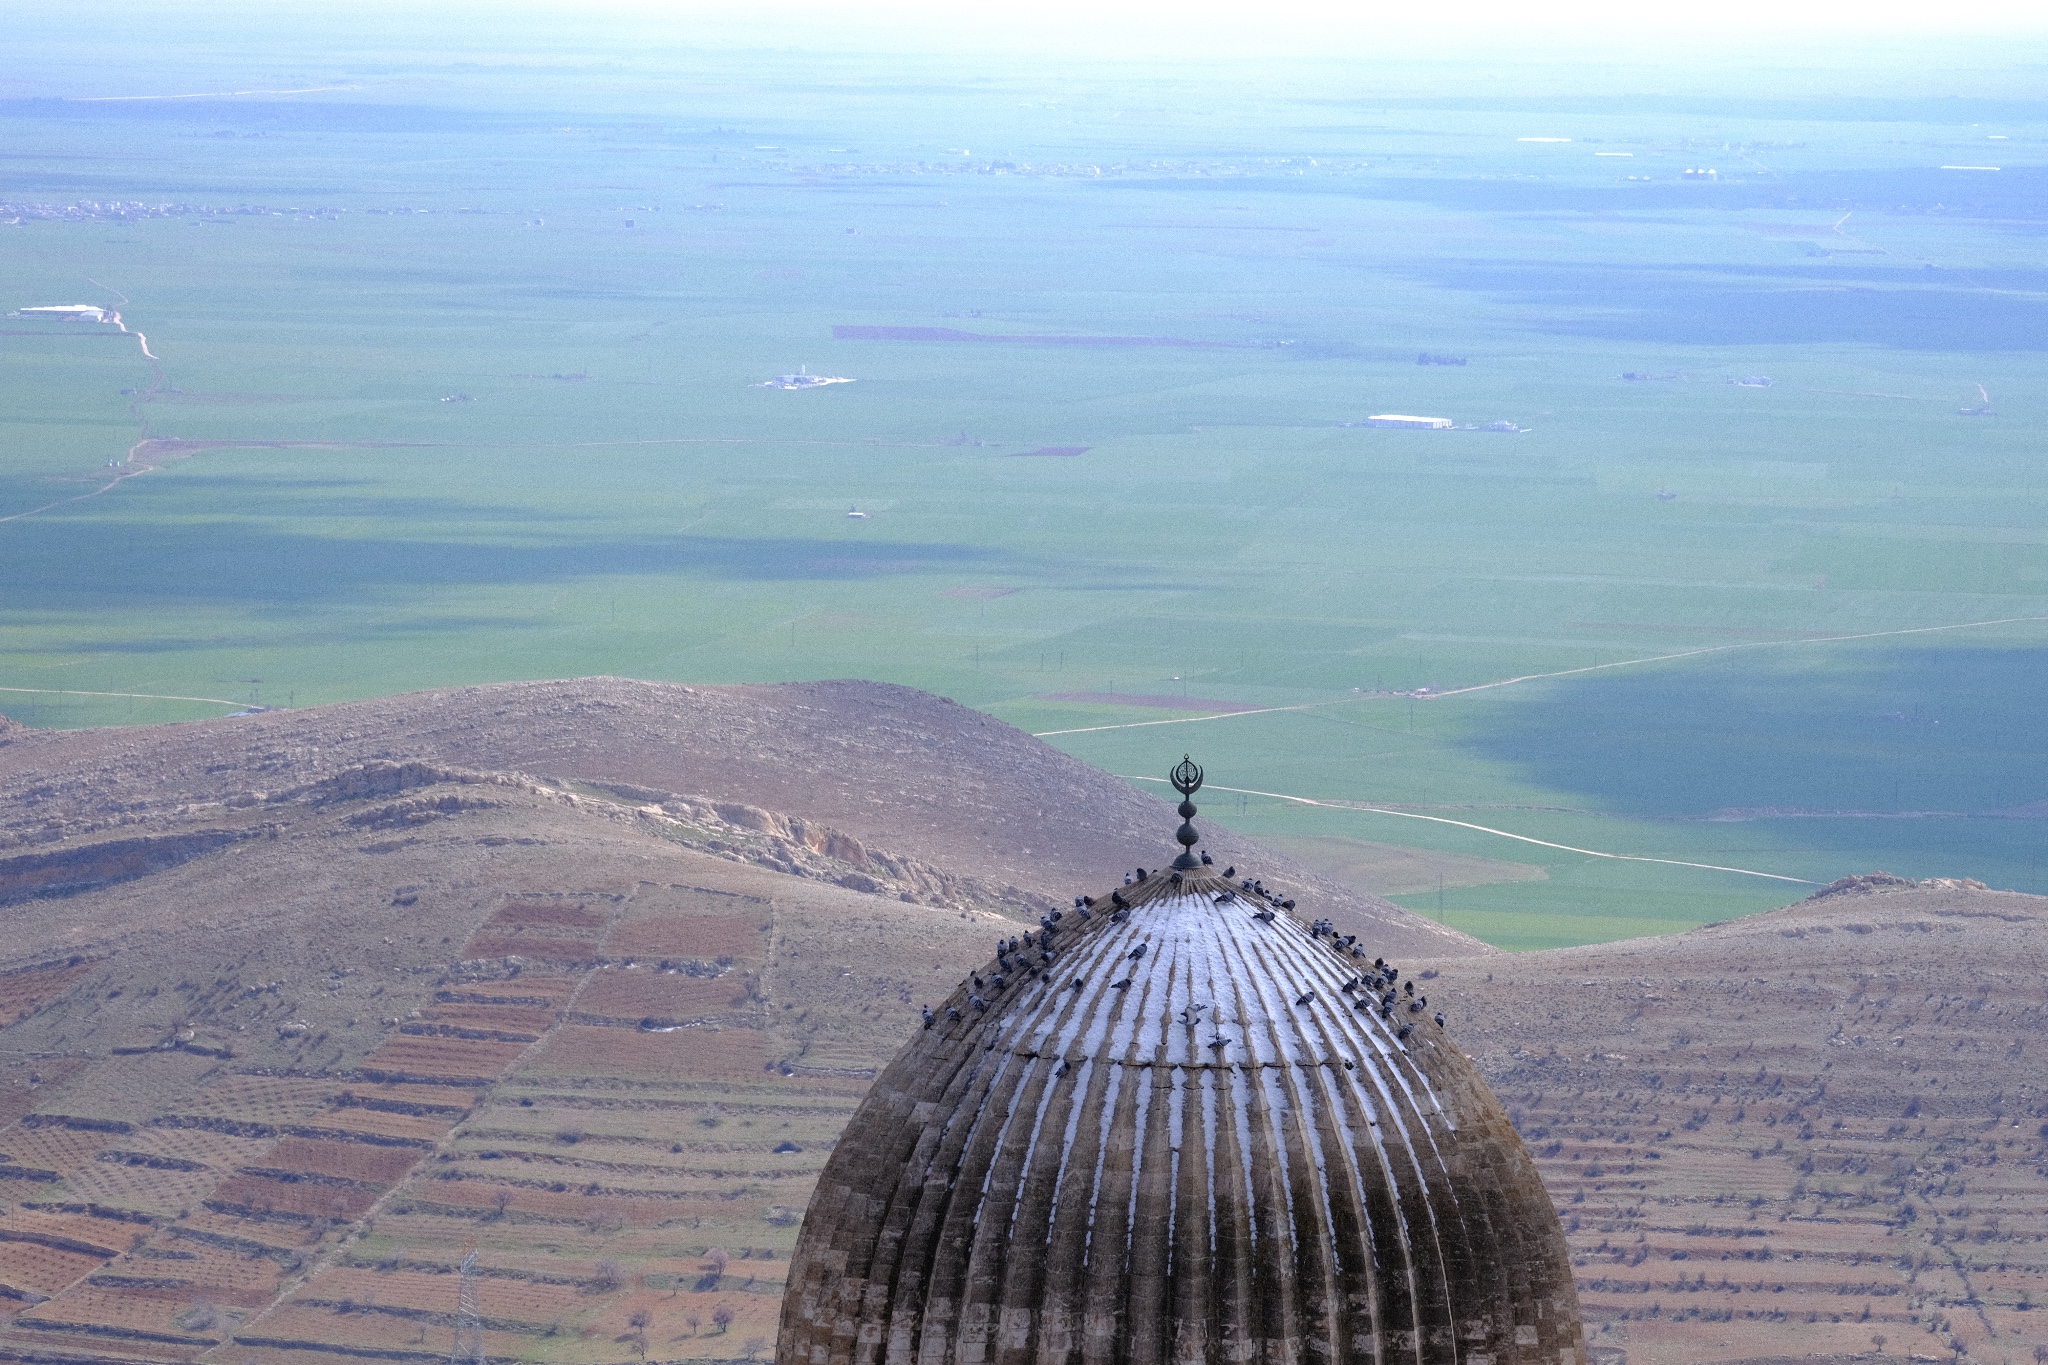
point(1075, 984)
point(1218, 1043)
point(1411, 988)
point(1289, 905)
point(1263, 916)
point(1415, 1007)
point(1305, 998)
point(1120, 985)
point(1138, 951)
point(975, 979)
point(1207, 861)
point(1175, 879)
point(1439, 1018)
point(977, 1002)
point(929, 1017)
point(999, 981)
point(1230, 871)
point(952, 1013)
point(1063, 1068)
point(1117, 899)
point(1405, 1030)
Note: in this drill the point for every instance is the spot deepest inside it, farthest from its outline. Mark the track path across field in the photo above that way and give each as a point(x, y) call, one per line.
point(1561, 673)
point(1362, 807)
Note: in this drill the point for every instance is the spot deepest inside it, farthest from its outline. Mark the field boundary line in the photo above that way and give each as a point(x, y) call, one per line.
point(1722, 649)
point(1505, 834)
point(1561, 673)
point(1189, 720)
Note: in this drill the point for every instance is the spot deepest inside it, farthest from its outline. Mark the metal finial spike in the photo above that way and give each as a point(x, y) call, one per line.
point(1187, 780)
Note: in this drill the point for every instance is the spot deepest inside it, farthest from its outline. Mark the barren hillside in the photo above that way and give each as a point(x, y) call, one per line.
point(297, 1008)
point(1014, 821)
point(1813, 1133)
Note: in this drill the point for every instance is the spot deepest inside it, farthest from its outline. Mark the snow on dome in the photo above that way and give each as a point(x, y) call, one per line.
point(1180, 1127)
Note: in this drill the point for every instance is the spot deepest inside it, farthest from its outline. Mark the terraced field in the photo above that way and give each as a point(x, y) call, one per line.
point(272, 1095)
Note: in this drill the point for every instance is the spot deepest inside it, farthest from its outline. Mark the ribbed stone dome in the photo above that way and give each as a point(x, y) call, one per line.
point(1197, 1133)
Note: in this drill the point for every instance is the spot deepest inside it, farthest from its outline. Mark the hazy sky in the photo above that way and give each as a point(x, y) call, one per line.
point(1894, 48)
point(1128, 28)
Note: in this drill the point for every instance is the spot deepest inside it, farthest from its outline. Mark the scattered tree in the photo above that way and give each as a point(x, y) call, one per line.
point(722, 1316)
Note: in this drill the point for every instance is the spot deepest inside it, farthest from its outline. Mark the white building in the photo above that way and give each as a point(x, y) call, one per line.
point(1398, 419)
point(64, 312)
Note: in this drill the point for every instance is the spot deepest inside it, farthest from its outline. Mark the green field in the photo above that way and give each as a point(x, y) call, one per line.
point(492, 356)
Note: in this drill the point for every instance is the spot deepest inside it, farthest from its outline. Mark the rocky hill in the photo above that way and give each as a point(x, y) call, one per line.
point(298, 1008)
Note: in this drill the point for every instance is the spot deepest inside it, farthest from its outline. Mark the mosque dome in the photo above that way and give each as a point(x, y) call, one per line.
point(1179, 1125)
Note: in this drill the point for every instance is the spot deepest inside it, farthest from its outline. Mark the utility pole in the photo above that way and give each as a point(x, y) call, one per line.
point(469, 1324)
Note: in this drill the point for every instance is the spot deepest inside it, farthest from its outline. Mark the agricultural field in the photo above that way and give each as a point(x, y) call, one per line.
point(453, 377)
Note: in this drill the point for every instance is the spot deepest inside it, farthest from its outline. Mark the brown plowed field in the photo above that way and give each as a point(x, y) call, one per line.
point(535, 989)
point(218, 1275)
point(496, 1018)
point(261, 1196)
point(23, 993)
point(638, 993)
point(111, 1234)
point(364, 1329)
point(149, 1308)
point(699, 1053)
point(538, 947)
point(373, 1124)
point(690, 938)
point(447, 1101)
point(435, 1293)
point(456, 1058)
point(55, 1148)
point(370, 1163)
point(542, 913)
point(41, 1269)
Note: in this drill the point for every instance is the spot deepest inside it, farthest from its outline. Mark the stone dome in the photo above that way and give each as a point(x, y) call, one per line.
point(1183, 1127)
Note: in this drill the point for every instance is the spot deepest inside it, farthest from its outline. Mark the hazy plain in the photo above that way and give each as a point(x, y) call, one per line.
point(461, 360)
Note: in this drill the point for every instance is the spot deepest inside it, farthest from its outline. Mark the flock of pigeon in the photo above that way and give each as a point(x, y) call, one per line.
point(1028, 956)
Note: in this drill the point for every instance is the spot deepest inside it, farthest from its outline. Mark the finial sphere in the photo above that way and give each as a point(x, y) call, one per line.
point(1186, 776)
